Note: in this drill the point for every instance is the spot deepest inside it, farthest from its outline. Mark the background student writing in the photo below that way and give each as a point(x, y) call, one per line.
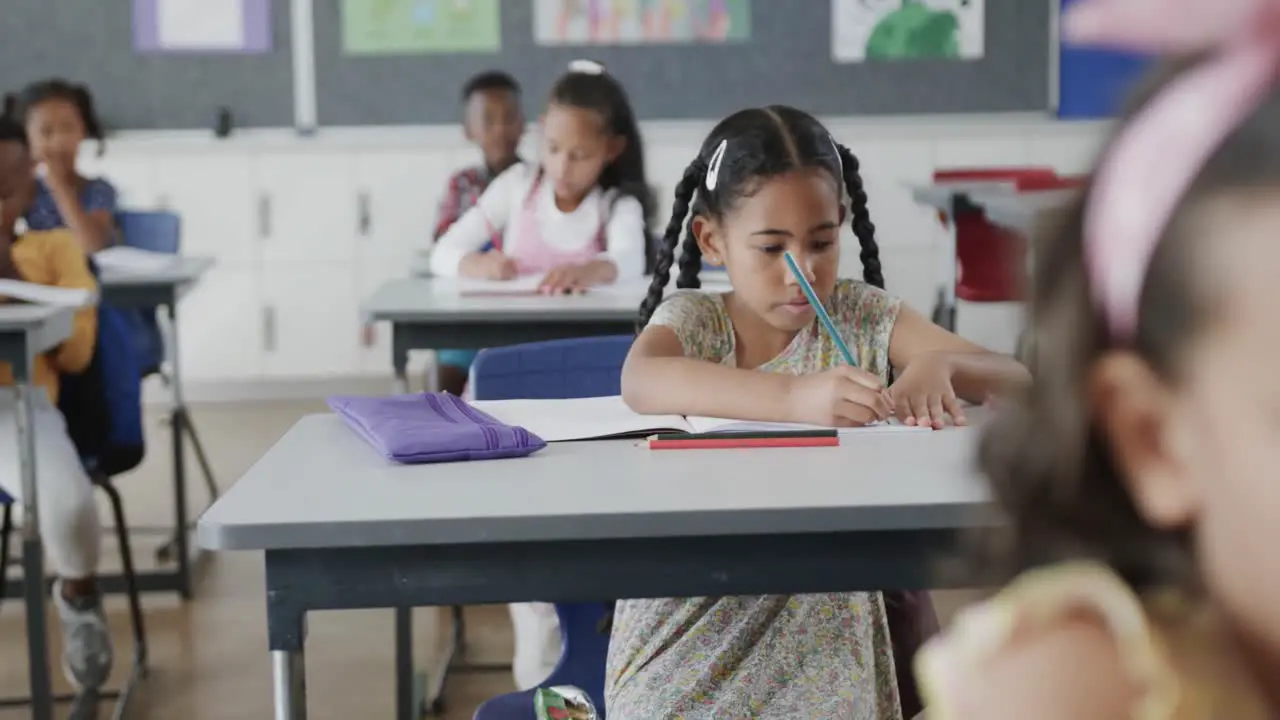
point(767, 181)
point(577, 217)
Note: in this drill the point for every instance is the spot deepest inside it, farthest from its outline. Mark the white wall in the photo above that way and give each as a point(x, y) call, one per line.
point(283, 216)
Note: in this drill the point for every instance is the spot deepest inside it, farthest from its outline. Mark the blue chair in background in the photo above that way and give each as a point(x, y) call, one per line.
point(573, 368)
point(160, 231)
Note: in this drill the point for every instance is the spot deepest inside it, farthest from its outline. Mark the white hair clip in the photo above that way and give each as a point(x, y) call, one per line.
point(586, 67)
point(839, 160)
point(713, 167)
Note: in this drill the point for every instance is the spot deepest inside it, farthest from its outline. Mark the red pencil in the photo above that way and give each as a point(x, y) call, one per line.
point(724, 443)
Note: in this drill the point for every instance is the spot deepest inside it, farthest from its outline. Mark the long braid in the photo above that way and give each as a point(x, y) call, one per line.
point(863, 228)
point(690, 260)
point(693, 177)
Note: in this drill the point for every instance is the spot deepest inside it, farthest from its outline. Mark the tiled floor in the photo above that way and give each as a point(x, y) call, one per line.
point(209, 657)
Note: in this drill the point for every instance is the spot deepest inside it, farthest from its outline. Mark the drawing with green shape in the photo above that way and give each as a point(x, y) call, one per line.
point(914, 30)
point(382, 27)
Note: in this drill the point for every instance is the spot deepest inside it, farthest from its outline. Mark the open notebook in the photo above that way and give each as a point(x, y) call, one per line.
point(123, 259)
point(609, 417)
point(47, 294)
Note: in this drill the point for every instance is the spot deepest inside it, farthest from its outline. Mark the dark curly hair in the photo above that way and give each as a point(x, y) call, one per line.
point(59, 89)
point(761, 143)
point(1049, 467)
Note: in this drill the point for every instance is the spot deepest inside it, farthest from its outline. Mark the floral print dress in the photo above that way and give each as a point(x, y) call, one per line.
point(772, 656)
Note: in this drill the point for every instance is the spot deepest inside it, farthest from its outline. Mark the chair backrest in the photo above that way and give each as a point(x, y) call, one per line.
point(586, 645)
point(155, 230)
point(103, 404)
point(572, 368)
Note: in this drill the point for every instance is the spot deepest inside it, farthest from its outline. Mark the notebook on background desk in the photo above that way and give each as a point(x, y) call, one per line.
point(526, 285)
point(609, 417)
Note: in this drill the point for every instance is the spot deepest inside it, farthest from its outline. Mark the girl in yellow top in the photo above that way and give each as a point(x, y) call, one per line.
point(1138, 475)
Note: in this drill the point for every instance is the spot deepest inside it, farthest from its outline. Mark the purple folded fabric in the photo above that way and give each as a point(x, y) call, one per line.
point(432, 427)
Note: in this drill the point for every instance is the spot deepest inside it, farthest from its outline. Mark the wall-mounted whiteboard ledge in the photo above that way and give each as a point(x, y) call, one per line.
point(655, 132)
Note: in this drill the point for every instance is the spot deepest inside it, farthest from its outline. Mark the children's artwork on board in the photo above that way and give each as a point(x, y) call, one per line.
point(202, 26)
point(640, 22)
point(403, 27)
point(872, 30)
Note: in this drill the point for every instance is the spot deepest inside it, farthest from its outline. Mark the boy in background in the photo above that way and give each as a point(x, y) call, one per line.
point(493, 121)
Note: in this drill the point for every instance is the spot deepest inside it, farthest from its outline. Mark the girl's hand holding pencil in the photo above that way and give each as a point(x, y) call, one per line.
point(843, 396)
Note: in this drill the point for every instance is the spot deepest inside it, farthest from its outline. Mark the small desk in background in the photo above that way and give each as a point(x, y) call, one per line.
point(1020, 212)
point(164, 289)
point(433, 314)
point(26, 331)
point(586, 521)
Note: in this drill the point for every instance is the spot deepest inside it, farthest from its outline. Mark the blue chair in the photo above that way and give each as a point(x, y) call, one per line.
point(574, 368)
point(582, 663)
point(159, 232)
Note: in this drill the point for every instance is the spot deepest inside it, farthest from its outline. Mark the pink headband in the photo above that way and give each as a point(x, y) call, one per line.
point(1156, 157)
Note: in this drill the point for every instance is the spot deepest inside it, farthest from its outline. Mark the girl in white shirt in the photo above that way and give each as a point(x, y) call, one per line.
point(578, 216)
point(578, 219)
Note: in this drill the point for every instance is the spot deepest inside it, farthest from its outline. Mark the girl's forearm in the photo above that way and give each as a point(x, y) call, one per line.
point(91, 235)
point(977, 376)
point(684, 386)
point(600, 272)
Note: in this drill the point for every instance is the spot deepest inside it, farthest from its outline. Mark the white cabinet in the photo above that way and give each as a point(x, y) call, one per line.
point(311, 314)
point(220, 330)
point(375, 358)
point(213, 193)
point(397, 197)
point(306, 207)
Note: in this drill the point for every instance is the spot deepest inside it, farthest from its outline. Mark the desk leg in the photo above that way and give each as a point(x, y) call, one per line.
point(177, 425)
point(183, 429)
point(288, 672)
point(33, 563)
point(945, 312)
point(409, 706)
point(399, 360)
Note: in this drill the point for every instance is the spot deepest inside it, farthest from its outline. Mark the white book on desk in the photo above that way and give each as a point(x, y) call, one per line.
point(609, 417)
point(123, 259)
point(47, 294)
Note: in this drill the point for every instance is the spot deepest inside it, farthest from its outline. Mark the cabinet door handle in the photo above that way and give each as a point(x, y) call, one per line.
point(269, 328)
point(264, 216)
point(364, 210)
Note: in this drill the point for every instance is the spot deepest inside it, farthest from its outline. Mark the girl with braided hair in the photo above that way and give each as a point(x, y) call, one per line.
point(768, 181)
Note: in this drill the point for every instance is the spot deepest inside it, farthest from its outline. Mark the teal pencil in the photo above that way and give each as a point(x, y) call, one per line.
point(823, 317)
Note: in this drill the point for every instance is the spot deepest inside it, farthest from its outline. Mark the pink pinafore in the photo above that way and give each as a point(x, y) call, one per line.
point(534, 255)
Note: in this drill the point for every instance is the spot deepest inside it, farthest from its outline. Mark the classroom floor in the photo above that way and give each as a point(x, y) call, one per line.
point(209, 657)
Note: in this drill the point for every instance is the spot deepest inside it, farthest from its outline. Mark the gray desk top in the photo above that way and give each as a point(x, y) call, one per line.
point(940, 195)
point(322, 486)
point(185, 270)
point(27, 330)
point(421, 299)
point(1020, 211)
